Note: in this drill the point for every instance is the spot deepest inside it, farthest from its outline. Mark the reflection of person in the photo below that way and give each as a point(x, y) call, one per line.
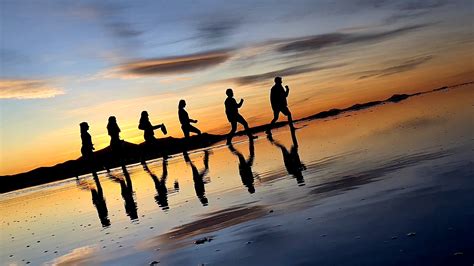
point(198, 176)
point(186, 121)
point(291, 158)
point(99, 202)
point(87, 149)
point(161, 196)
point(148, 128)
point(232, 112)
point(127, 193)
point(278, 97)
point(245, 166)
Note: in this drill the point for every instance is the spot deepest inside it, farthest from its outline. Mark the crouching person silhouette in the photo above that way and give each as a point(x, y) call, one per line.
point(278, 97)
point(232, 112)
point(148, 128)
point(186, 121)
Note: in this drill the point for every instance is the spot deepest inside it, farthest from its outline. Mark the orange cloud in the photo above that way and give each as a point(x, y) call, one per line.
point(27, 89)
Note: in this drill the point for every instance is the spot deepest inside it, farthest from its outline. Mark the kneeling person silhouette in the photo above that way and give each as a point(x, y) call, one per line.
point(232, 112)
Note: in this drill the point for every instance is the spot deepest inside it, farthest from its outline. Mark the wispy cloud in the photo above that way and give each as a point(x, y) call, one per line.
point(27, 89)
point(317, 42)
point(174, 65)
point(402, 67)
point(216, 30)
point(290, 71)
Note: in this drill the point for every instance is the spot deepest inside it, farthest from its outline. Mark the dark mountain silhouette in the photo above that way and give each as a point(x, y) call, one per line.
point(168, 146)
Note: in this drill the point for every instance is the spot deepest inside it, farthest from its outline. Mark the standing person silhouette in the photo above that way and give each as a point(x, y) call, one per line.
point(115, 142)
point(278, 97)
point(87, 149)
point(232, 112)
point(186, 121)
point(148, 128)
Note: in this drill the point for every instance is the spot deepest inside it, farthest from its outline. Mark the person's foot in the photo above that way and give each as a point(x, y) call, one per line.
point(268, 131)
point(229, 142)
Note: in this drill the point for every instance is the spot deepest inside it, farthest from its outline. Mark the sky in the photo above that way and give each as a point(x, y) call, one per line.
point(64, 62)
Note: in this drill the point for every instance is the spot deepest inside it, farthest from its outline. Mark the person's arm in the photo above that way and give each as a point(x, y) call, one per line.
point(287, 91)
point(240, 103)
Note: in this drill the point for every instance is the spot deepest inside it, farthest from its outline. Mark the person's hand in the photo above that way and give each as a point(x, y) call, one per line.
point(194, 121)
point(241, 101)
point(287, 88)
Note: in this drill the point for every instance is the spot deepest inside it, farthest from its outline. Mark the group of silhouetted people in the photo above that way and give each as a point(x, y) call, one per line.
point(278, 101)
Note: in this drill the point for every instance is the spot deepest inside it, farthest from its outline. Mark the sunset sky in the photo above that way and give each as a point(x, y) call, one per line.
point(64, 62)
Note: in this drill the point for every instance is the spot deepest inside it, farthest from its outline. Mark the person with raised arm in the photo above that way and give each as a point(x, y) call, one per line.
point(232, 112)
point(279, 104)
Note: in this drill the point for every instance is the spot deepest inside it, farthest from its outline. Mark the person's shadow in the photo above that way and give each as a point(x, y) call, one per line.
point(98, 200)
point(245, 166)
point(198, 176)
point(161, 196)
point(127, 193)
point(291, 158)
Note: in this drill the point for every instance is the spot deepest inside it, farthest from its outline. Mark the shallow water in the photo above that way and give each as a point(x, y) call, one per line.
point(337, 191)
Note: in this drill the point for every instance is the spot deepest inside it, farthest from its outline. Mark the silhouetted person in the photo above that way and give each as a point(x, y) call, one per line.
point(114, 132)
point(291, 158)
point(232, 112)
point(198, 176)
point(148, 128)
point(245, 166)
point(149, 134)
point(87, 149)
point(186, 121)
point(161, 196)
point(127, 193)
point(99, 202)
point(278, 97)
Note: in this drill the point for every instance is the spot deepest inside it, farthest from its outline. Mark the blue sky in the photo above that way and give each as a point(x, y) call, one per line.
point(63, 62)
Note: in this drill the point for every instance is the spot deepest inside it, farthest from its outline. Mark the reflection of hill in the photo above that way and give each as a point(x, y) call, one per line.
point(168, 145)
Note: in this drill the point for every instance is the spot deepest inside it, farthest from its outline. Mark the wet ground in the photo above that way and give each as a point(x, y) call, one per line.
point(390, 185)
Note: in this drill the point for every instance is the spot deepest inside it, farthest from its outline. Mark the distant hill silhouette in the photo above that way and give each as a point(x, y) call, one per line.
point(168, 146)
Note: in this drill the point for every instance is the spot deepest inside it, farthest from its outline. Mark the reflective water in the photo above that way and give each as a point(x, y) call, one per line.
point(229, 198)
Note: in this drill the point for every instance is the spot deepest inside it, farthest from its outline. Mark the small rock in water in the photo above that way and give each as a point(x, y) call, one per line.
point(411, 234)
point(309, 218)
point(270, 211)
point(357, 237)
point(323, 235)
point(248, 242)
point(458, 253)
point(154, 262)
point(394, 237)
point(203, 240)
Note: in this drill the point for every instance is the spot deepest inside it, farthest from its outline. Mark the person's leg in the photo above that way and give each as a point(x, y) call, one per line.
point(287, 112)
point(276, 114)
point(194, 129)
point(233, 125)
point(185, 131)
point(244, 123)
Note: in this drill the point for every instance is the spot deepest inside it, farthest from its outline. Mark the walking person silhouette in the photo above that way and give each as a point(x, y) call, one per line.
point(232, 112)
point(186, 121)
point(279, 104)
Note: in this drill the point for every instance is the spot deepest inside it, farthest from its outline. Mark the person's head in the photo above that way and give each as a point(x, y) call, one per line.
point(144, 114)
point(182, 104)
point(112, 119)
point(278, 80)
point(84, 126)
point(229, 92)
